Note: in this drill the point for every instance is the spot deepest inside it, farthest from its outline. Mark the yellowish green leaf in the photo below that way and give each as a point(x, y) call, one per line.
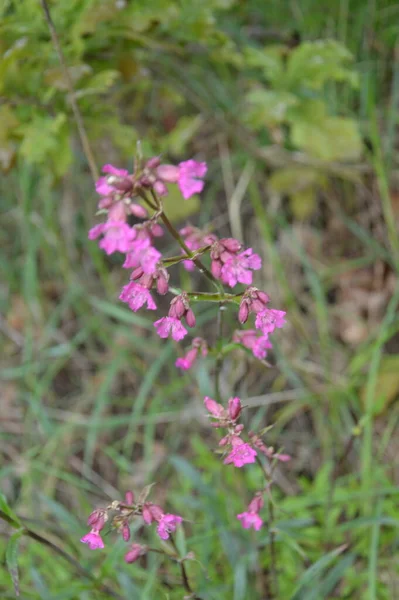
point(333, 138)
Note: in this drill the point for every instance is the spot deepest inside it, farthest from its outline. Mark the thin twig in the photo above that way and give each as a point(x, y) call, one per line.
point(271, 518)
point(75, 108)
point(219, 359)
point(186, 581)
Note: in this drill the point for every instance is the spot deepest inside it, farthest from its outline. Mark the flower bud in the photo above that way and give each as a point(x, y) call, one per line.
point(97, 519)
point(190, 318)
point(213, 407)
point(243, 312)
point(234, 405)
point(138, 211)
point(231, 244)
point(160, 188)
point(162, 282)
point(147, 516)
point(136, 550)
point(129, 497)
point(126, 532)
point(153, 162)
point(256, 504)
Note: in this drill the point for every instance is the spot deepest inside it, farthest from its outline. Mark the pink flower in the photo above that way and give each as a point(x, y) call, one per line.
point(136, 550)
point(187, 361)
point(258, 343)
point(270, 319)
point(250, 519)
point(240, 455)
point(238, 269)
point(135, 295)
point(188, 175)
point(170, 326)
point(117, 180)
point(142, 255)
point(117, 236)
point(93, 540)
point(167, 525)
point(111, 170)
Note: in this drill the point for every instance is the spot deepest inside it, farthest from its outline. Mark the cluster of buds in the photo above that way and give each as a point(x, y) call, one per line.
point(268, 451)
point(238, 452)
point(121, 514)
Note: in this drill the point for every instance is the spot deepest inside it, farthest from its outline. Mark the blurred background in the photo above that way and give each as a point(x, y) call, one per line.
point(294, 106)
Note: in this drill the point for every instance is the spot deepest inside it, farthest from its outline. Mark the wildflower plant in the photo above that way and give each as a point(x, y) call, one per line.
point(223, 264)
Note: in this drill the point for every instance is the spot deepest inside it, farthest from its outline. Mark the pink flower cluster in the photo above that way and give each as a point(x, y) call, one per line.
point(231, 264)
point(239, 453)
point(251, 517)
point(122, 514)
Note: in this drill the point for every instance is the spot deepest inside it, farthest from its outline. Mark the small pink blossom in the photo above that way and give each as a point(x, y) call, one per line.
point(111, 170)
point(257, 343)
point(93, 540)
point(198, 346)
point(116, 180)
point(270, 319)
point(240, 455)
point(250, 519)
point(142, 255)
point(188, 175)
point(135, 295)
point(117, 236)
point(170, 326)
point(167, 525)
point(239, 268)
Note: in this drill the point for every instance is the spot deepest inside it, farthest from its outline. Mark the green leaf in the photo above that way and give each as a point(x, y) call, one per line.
point(268, 107)
point(307, 579)
point(12, 558)
point(99, 83)
point(7, 510)
point(334, 138)
point(41, 138)
point(270, 60)
point(312, 64)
